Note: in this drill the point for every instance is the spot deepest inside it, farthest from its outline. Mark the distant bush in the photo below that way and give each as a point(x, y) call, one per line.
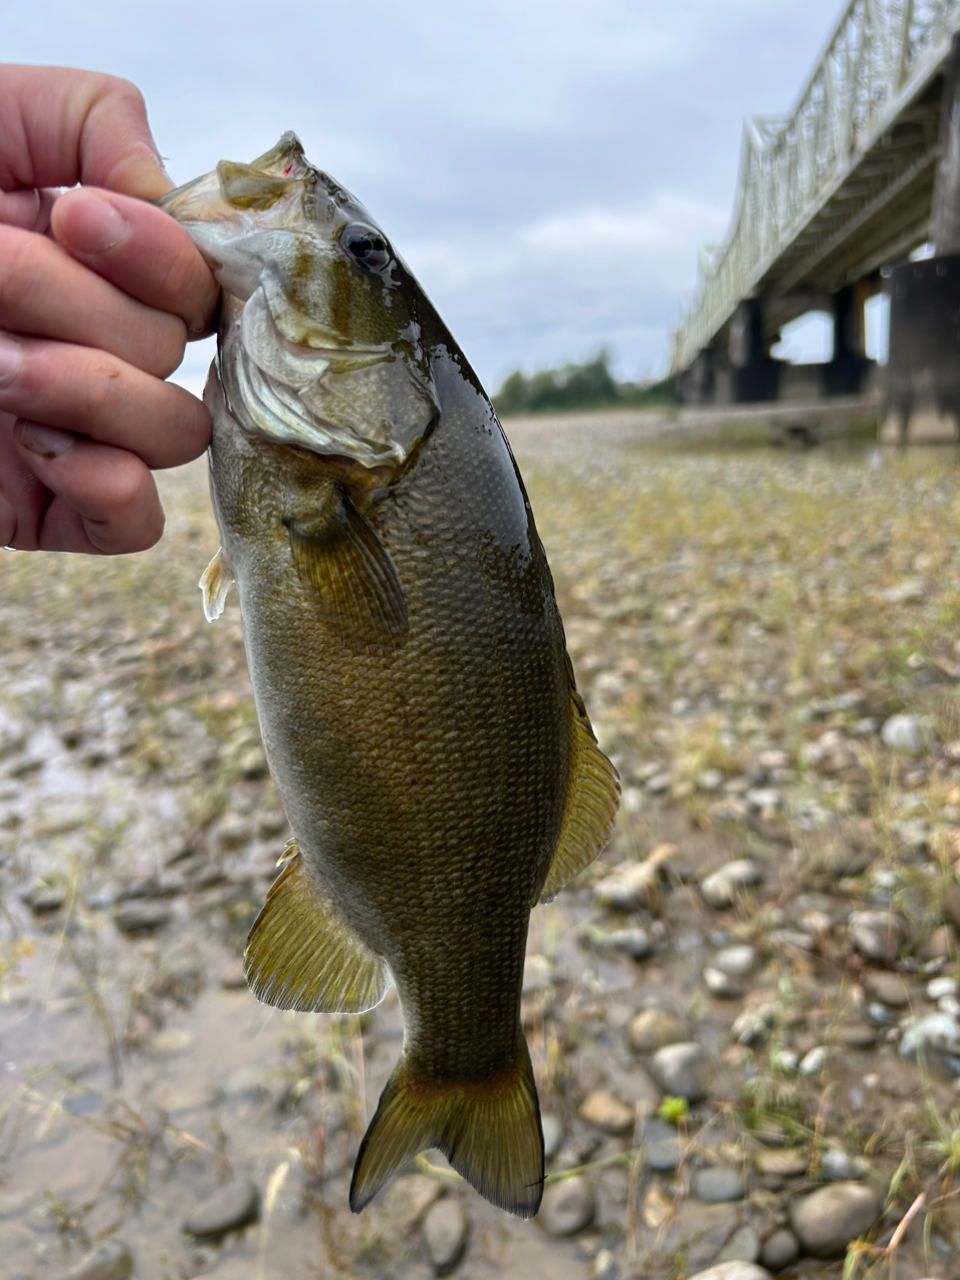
point(577, 386)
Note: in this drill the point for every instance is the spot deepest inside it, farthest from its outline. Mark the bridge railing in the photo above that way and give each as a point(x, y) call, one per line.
point(879, 53)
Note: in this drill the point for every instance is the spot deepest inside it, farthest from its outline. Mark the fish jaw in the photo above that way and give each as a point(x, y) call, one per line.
point(317, 348)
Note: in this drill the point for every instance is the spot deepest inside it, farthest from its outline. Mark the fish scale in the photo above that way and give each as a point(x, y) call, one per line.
point(407, 657)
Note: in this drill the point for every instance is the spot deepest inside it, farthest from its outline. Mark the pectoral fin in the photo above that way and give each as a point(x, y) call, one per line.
point(340, 557)
point(215, 581)
point(592, 802)
point(300, 955)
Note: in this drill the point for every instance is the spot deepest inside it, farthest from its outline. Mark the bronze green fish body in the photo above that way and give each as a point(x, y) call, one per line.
point(415, 698)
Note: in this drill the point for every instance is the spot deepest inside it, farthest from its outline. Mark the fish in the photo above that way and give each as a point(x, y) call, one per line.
point(417, 705)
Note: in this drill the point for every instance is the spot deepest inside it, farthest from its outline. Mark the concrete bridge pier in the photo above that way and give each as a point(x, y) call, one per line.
point(923, 366)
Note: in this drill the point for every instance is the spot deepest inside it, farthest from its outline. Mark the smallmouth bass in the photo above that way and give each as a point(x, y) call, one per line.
point(417, 705)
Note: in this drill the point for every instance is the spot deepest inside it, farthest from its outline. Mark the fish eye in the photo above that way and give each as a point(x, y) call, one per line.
point(365, 246)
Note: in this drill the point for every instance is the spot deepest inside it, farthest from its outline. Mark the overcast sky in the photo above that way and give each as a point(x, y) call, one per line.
point(548, 168)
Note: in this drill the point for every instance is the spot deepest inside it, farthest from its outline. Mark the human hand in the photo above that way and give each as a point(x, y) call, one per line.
point(99, 292)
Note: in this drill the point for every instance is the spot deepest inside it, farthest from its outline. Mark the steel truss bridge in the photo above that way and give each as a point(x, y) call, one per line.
point(840, 187)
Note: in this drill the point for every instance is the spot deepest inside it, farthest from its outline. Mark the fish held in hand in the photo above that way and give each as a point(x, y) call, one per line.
point(416, 701)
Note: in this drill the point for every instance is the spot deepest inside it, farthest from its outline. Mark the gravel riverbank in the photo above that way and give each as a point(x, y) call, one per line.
point(744, 1019)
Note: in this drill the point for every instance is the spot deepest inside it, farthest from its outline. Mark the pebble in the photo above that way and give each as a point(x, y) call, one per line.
point(787, 1163)
point(733, 1271)
point(42, 899)
point(937, 988)
point(633, 942)
point(875, 934)
point(232, 1207)
point(111, 1260)
point(604, 1266)
point(737, 962)
point(232, 977)
point(837, 1166)
point(939, 1031)
point(608, 1113)
point(743, 1246)
point(568, 1207)
point(661, 1146)
point(813, 1061)
point(725, 887)
point(682, 1070)
point(826, 1221)
point(446, 1229)
point(753, 1026)
point(651, 1029)
point(765, 799)
point(718, 1185)
point(553, 1135)
point(780, 1249)
point(141, 915)
point(888, 988)
point(721, 985)
point(903, 733)
point(856, 1035)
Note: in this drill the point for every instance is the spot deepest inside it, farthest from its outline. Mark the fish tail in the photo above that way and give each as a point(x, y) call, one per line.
point(488, 1129)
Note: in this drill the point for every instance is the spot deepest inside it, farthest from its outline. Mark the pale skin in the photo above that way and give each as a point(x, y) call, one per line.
point(99, 293)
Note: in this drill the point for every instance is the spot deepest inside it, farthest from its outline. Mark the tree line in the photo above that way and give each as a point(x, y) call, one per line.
point(577, 386)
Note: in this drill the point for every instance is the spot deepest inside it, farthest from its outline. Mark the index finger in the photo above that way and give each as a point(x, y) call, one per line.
point(59, 126)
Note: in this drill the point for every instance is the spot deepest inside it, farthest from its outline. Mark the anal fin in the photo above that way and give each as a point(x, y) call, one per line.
point(593, 798)
point(488, 1129)
point(300, 955)
point(215, 581)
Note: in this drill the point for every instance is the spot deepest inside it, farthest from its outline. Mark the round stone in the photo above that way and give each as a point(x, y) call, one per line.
point(889, 988)
point(232, 1207)
point(725, 887)
point(651, 1029)
point(446, 1229)
point(733, 1271)
point(829, 1219)
point(682, 1070)
point(111, 1260)
point(717, 1185)
point(721, 985)
point(787, 1163)
point(661, 1146)
point(141, 915)
point(876, 935)
point(743, 1246)
point(553, 1135)
point(779, 1250)
point(608, 1113)
point(737, 962)
point(837, 1166)
point(903, 733)
point(568, 1207)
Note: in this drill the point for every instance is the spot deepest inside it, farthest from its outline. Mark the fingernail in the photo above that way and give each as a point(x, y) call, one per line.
point(11, 358)
point(49, 442)
point(95, 226)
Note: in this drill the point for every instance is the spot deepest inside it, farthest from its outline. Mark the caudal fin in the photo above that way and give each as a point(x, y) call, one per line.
point(489, 1130)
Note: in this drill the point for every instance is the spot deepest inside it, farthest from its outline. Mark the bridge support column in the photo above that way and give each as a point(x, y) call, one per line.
point(849, 369)
point(923, 368)
point(754, 375)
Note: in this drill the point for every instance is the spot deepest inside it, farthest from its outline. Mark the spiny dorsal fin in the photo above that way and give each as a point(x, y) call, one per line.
point(215, 581)
point(489, 1130)
point(340, 556)
point(592, 802)
point(300, 955)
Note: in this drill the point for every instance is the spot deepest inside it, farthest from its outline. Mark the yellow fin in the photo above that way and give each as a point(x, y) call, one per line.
point(215, 581)
point(592, 803)
point(489, 1130)
point(300, 956)
point(340, 556)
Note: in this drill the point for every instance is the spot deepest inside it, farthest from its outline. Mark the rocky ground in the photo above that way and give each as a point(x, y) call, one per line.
point(744, 1020)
